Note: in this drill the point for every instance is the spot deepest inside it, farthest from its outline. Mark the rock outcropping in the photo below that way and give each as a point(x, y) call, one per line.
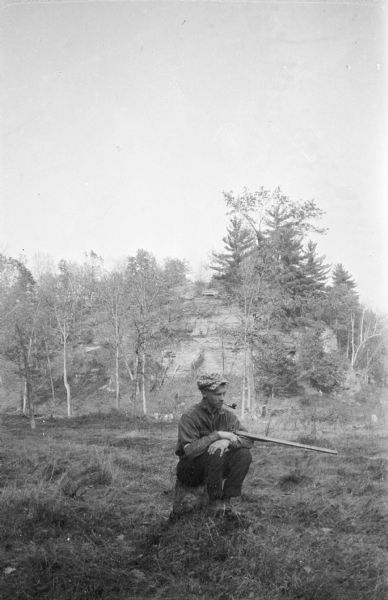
point(213, 341)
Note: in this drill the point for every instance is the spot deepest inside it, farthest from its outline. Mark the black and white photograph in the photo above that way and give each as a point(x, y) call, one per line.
point(194, 300)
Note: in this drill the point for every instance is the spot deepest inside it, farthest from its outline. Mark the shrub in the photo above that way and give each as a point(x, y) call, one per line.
point(325, 371)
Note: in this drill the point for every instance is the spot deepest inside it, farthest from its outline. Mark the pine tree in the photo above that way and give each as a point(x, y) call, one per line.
point(342, 277)
point(343, 306)
point(315, 269)
point(239, 243)
point(279, 225)
point(285, 242)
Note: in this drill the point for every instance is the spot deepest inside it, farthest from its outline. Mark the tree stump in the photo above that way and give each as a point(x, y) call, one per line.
point(188, 499)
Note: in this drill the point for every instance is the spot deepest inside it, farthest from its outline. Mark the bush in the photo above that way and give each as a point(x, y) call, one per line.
point(328, 373)
point(275, 372)
point(324, 370)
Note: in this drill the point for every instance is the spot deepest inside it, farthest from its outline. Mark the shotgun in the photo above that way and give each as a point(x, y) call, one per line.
point(262, 438)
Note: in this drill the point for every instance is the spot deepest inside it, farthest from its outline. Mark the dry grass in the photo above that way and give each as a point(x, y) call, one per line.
point(84, 513)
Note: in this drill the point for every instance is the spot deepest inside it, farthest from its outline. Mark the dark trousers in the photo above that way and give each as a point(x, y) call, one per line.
point(223, 475)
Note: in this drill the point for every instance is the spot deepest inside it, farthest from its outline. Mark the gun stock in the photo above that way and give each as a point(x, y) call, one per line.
point(262, 438)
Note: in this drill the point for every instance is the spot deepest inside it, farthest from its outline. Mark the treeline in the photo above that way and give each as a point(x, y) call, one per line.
point(52, 324)
point(302, 320)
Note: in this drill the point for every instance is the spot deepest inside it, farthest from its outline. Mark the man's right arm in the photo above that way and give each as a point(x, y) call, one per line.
point(189, 437)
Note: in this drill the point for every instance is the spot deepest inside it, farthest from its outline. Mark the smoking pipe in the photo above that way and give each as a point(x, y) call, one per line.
point(234, 406)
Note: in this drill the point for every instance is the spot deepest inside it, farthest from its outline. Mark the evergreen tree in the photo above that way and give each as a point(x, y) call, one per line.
point(289, 282)
point(290, 273)
point(315, 269)
point(239, 243)
point(313, 284)
point(343, 305)
point(342, 277)
point(275, 373)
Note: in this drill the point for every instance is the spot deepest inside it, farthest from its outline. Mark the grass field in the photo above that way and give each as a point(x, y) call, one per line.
point(85, 503)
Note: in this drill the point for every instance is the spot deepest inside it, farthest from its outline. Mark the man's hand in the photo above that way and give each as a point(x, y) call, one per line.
point(228, 435)
point(221, 445)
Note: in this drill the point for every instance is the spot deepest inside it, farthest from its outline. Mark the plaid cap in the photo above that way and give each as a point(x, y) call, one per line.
point(210, 381)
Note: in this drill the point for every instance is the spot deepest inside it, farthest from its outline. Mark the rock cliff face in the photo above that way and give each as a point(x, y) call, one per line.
point(212, 343)
point(213, 339)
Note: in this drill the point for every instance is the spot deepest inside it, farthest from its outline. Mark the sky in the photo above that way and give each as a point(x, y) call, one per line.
point(123, 123)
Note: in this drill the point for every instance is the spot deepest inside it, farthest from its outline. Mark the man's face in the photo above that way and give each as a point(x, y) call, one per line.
point(215, 399)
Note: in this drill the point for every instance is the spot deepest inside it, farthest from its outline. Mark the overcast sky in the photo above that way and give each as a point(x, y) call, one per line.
point(123, 122)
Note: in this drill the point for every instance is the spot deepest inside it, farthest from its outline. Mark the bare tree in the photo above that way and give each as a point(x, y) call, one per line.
point(114, 299)
point(366, 339)
point(64, 297)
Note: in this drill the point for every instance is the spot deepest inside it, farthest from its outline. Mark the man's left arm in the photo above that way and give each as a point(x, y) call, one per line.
point(235, 426)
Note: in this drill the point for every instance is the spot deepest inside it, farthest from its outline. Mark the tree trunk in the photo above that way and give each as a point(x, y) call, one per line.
point(31, 405)
point(244, 379)
point(117, 377)
point(28, 402)
point(222, 354)
point(352, 359)
point(135, 381)
point(25, 401)
point(51, 378)
point(251, 382)
point(115, 318)
point(65, 381)
point(143, 389)
point(22, 395)
point(131, 376)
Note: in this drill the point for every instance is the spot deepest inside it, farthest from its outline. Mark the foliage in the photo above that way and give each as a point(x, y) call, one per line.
point(19, 308)
point(288, 290)
point(63, 326)
point(238, 244)
point(341, 277)
point(275, 370)
point(288, 261)
point(342, 303)
point(174, 272)
point(59, 330)
point(315, 269)
point(324, 370)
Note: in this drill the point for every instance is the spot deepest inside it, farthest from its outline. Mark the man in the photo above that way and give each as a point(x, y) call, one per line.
point(209, 450)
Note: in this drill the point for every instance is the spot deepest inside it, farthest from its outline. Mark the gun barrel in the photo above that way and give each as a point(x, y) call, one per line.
point(262, 438)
